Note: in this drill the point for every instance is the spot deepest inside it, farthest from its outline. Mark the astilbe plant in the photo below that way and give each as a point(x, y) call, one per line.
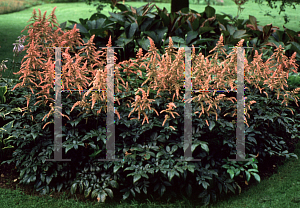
point(167, 76)
point(37, 72)
point(163, 73)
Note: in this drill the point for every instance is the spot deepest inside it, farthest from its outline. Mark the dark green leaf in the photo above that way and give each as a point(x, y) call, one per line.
point(207, 199)
point(145, 189)
point(210, 11)
point(168, 149)
point(122, 7)
point(205, 184)
point(132, 192)
point(205, 147)
point(295, 47)
point(63, 25)
point(33, 178)
point(231, 29)
point(162, 190)
point(156, 187)
point(247, 175)
point(102, 196)
point(87, 192)
point(253, 21)
point(203, 40)
point(174, 148)
point(189, 190)
point(99, 23)
point(74, 188)
point(48, 179)
point(171, 174)
point(212, 125)
point(176, 39)
point(145, 45)
point(230, 188)
point(220, 187)
point(123, 41)
point(118, 17)
point(42, 177)
point(231, 173)
point(59, 187)
point(191, 35)
point(136, 177)
point(94, 193)
point(81, 28)
point(132, 30)
point(256, 176)
point(203, 30)
point(239, 34)
point(113, 184)
point(109, 192)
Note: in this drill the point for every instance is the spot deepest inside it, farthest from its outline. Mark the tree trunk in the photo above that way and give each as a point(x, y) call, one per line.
point(177, 5)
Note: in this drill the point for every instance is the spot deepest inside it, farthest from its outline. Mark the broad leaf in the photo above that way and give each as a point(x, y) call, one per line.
point(253, 21)
point(122, 7)
point(189, 190)
point(296, 47)
point(203, 30)
point(256, 176)
point(247, 175)
point(191, 35)
point(132, 30)
point(123, 41)
point(118, 17)
point(230, 188)
point(231, 173)
point(87, 192)
point(210, 11)
point(126, 195)
point(109, 192)
point(162, 190)
point(194, 147)
point(74, 188)
point(231, 29)
point(136, 177)
point(204, 146)
point(102, 196)
point(212, 125)
point(239, 34)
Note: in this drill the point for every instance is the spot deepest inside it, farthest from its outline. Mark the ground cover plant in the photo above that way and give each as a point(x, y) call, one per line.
point(85, 148)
